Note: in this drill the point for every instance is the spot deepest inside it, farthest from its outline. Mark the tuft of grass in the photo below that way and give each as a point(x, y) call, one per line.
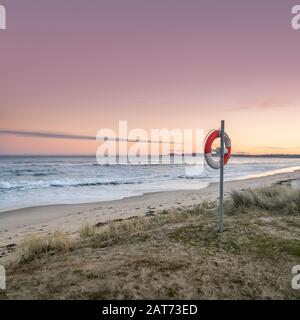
point(205, 207)
point(274, 198)
point(87, 230)
point(60, 241)
point(242, 199)
point(115, 229)
point(33, 247)
point(272, 246)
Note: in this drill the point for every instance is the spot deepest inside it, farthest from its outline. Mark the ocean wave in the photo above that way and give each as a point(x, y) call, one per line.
point(6, 186)
point(41, 174)
point(26, 173)
point(190, 177)
point(95, 184)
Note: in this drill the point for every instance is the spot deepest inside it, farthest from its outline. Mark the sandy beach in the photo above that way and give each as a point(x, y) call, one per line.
point(17, 224)
point(162, 245)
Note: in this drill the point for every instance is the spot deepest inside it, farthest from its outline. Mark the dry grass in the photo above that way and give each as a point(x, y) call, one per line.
point(34, 246)
point(138, 225)
point(277, 198)
point(87, 230)
point(175, 254)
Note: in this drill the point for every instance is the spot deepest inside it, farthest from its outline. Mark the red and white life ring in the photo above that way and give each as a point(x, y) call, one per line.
point(208, 149)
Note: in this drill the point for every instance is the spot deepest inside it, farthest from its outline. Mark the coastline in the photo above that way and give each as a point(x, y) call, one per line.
point(17, 224)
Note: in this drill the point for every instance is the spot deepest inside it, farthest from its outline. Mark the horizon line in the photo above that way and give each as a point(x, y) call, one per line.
point(237, 154)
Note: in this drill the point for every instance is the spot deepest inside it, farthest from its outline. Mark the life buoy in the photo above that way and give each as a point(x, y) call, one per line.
point(208, 149)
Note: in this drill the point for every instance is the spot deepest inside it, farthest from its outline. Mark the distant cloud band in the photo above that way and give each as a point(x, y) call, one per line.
point(69, 136)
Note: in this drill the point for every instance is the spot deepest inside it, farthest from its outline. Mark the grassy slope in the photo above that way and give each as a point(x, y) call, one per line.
point(172, 255)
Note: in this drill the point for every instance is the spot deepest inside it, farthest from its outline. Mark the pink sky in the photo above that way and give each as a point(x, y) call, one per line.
point(78, 66)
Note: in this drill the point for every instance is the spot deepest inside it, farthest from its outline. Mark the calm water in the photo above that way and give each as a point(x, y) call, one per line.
point(31, 181)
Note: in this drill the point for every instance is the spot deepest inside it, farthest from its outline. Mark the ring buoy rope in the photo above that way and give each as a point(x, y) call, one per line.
point(215, 134)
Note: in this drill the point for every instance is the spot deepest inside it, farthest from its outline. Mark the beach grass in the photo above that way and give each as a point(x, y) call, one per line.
point(173, 254)
point(274, 198)
point(32, 247)
point(87, 230)
point(279, 198)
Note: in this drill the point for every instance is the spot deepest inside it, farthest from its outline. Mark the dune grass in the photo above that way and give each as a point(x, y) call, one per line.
point(138, 225)
point(173, 254)
point(277, 199)
point(274, 198)
point(87, 230)
point(34, 246)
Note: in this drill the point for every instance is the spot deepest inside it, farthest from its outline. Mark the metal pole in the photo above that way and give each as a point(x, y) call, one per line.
point(221, 222)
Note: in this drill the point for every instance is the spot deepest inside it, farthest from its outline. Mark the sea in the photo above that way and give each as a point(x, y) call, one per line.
point(27, 181)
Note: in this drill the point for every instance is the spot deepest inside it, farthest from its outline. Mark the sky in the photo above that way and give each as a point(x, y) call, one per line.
point(79, 66)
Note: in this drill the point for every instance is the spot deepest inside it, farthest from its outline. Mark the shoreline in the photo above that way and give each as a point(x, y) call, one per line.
point(260, 175)
point(19, 223)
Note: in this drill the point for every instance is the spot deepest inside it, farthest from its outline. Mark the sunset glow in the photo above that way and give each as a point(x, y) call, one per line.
point(81, 66)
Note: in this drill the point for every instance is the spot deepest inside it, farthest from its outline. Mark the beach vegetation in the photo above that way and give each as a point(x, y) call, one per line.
point(277, 198)
point(34, 246)
point(87, 230)
point(176, 253)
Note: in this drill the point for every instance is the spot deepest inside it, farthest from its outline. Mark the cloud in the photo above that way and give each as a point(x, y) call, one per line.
point(69, 136)
point(46, 134)
point(277, 148)
point(272, 148)
point(266, 104)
